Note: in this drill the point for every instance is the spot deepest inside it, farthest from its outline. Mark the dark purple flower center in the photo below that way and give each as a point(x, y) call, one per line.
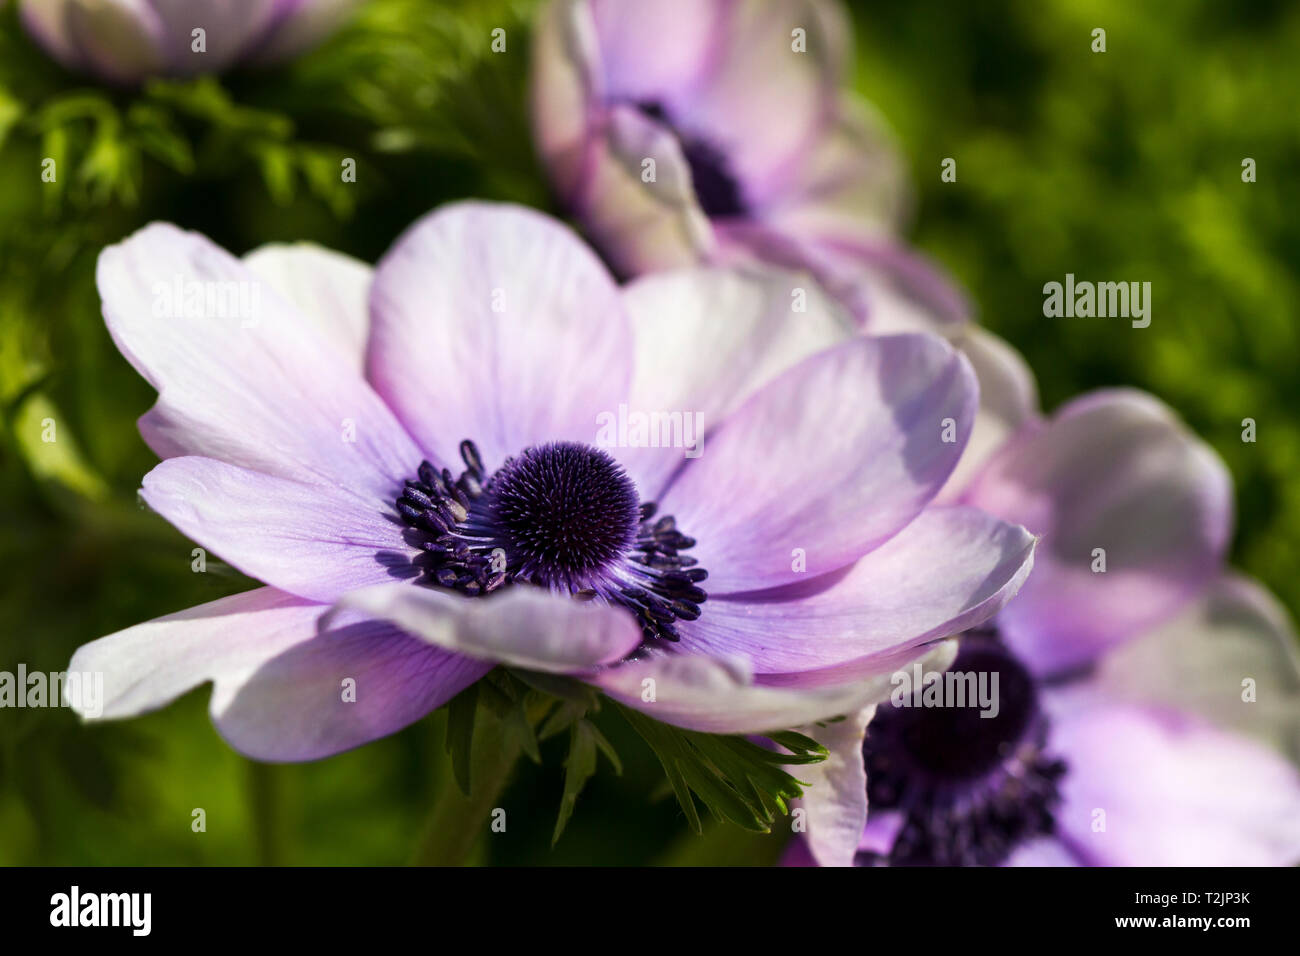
point(717, 189)
point(970, 775)
point(564, 516)
point(565, 511)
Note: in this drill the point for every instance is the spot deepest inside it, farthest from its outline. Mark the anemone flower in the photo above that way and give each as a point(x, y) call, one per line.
point(1148, 701)
point(422, 465)
point(126, 41)
point(713, 131)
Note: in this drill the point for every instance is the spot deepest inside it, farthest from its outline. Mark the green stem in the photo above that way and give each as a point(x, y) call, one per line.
point(262, 799)
point(457, 821)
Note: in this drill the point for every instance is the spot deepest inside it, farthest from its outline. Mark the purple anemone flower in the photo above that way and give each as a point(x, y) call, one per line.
point(423, 467)
point(126, 41)
point(1147, 710)
point(719, 131)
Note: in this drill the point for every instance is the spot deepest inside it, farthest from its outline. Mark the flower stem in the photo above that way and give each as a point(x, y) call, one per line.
point(263, 798)
point(457, 821)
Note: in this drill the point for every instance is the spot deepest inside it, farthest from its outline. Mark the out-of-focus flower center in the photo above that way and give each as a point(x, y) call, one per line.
point(716, 188)
point(965, 764)
point(564, 516)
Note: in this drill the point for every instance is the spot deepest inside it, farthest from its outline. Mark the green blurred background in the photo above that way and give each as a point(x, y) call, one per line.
point(1122, 165)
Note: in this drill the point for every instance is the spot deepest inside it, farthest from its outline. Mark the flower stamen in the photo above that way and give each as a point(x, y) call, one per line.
point(564, 516)
point(970, 788)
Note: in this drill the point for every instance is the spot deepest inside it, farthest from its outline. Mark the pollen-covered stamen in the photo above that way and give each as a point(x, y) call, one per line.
point(564, 516)
point(459, 549)
point(971, 788)
point(661, 583)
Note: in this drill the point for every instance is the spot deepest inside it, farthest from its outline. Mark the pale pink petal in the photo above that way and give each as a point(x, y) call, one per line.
point(1153, 787)
point(1008, 402)
point(495, 323)
point(949, 570)
point(1113, 477)
point(46, 20)
point(835, 798)
point(520, 626)
point(565, 92)
point(327, 287)
point(706, 339)
point(720, 696)
point(851, 182)
point(278, 691)
point(765, 101)
point(1230, 657)
point(656, 51)
point(243, 376)
point(231, 28)
point(827, 462)
point(312, 540)
point(1045, 851)
point(351, 684)
point(301, 25)
point(642, 217)
point(121, 40)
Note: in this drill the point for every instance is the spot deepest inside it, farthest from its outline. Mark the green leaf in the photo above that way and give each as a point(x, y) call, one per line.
point(158, 136)
point(578, 769)
point(11, 110)
point(460, 734)
point(511, 701)
point(563, 717)
point(515, 706)
point(205, 99)
point(565, 688)
point(585, 740)
point(276, 163)
point(51, 454)
point(606, 748)
point(322, 168)
point(803, 749)
point(736, 779)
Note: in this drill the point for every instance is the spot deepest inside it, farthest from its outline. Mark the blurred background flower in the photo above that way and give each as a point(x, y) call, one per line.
point(125, 41)
point(1148, 706)
point(1122, 165)
point(689, 131)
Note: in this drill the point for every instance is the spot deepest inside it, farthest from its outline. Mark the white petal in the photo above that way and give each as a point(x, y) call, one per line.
point(833, 457)
point(243, 375)
point(1008, 401)
point(708, 338)
point(1202, 659)
point(278, 684)
point(835, 799)
point(720, 696)
point(497, 324)
point(521, 626)
point(329, 288)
